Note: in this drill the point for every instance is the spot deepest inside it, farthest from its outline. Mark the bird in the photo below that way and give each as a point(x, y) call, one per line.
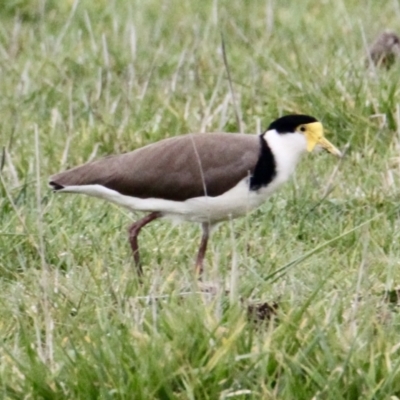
point(385, 50)
point(199, 177)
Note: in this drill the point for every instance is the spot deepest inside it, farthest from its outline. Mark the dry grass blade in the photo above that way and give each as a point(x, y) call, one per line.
point(228, 73)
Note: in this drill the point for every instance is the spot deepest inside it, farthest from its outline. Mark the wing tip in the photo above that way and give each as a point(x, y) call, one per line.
point(55, 186)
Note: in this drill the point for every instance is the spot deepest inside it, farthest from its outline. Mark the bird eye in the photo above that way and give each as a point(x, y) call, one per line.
point(302, 128)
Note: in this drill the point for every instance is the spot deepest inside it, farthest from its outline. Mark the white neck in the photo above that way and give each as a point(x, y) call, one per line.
point(287, 149)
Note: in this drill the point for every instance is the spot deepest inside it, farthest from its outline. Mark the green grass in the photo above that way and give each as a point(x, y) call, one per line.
point(88, 78)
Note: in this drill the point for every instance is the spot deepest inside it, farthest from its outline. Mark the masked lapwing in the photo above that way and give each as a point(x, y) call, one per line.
point(203, 177)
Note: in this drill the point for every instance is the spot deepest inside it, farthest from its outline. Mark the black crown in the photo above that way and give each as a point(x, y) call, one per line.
point(289, 123)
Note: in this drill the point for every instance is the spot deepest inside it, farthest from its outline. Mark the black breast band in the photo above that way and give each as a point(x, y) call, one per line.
point(265, 169)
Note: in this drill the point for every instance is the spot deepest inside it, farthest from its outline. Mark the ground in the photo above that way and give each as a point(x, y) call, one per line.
point(88, 78)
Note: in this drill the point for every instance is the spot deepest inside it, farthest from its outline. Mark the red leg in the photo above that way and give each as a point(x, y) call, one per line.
point(202, 249)
point(134, 230)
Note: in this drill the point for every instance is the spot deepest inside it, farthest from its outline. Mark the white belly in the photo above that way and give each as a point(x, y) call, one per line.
point(234, 203)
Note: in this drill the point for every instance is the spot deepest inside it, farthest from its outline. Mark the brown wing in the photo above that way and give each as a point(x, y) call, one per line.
point(175, 169)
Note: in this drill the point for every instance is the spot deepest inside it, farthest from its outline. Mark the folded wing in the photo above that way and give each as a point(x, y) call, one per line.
point(179, 168)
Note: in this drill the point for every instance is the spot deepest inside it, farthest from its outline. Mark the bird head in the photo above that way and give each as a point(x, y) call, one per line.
point(308, 131)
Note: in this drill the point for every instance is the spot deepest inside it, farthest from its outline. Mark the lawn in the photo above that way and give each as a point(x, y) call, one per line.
point(83, 79)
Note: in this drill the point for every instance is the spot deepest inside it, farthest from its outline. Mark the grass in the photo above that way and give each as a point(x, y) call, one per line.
point(88, 78)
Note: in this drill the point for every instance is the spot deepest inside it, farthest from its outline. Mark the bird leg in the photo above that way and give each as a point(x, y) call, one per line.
point(134, 230)
point(202, 249)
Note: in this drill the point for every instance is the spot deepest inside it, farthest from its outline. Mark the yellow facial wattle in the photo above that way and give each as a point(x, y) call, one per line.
point(314, 133)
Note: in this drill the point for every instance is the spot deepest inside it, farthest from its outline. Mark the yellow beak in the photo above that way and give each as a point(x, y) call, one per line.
point(315, 136)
